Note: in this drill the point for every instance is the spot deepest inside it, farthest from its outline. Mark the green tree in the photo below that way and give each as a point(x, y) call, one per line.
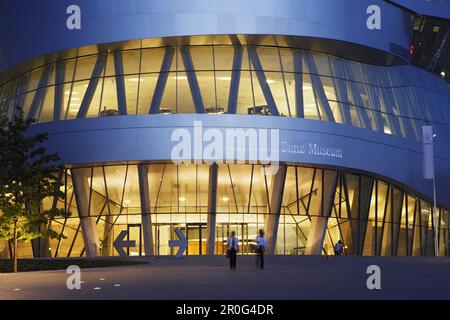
point(28, 175)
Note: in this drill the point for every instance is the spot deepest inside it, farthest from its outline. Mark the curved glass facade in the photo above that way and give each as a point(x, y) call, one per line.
point(371, 216)
point(263, 80)
point(301, 207)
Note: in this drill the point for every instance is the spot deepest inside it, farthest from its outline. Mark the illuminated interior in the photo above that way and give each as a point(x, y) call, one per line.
point(371, 216)
point(224, 78)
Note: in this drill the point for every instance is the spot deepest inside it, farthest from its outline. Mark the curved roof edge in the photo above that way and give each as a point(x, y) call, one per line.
point(434, 8)
point(34, 28)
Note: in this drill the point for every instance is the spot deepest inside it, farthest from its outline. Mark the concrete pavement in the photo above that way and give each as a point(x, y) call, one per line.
point(285, 277)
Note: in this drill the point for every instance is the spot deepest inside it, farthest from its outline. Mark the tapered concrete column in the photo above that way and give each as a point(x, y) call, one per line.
point(318, 227)
point(88, 229)
point(354, 230)
point(107, 244)
point(417, 237)
point(272, 219)
point(145, 209)
point(212, 208)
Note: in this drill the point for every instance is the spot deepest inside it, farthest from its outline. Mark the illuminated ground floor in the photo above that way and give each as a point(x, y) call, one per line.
point(303, 210)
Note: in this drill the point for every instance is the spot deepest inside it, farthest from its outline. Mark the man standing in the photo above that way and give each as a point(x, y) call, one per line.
point(339, 248)
point(260, 249)
point(232, 249)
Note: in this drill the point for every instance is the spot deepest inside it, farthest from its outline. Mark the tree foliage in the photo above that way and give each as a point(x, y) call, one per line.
point(28, 175)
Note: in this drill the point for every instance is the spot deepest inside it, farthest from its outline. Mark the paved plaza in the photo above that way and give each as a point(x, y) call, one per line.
point(285, 277)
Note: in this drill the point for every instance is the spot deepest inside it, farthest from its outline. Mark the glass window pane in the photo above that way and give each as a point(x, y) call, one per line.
point(51, 77)
point(35, 77)
point(131, 199)
point(207, 89)
point(260, 100)
point(223, 57)
point(85, 66)
point(309, 100)
point(336, 110)
point(290, 192)
point(245, 98)
point(328, 87)
point(152, 60)
point(110, 69)
point(202, 57)
point(147, 84)
point(104, 84)
point(48, 105)
point(270, 60)
point(276, 84)
point(131, 60)
point(322, 64)
point(290, 88)
point(184, 102)
point(223, 82)
point(78, 91)
point(69, 68)
point(315, 206)
point(169, 98)
point(287, 59)
point(132, 85)
point(28, 100)
point(115, 179)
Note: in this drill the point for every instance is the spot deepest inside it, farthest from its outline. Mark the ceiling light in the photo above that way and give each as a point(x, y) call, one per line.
point(443, 74)
point(182, 199)
point(135, 79)
point(224, 78)
point(270, 81)
point(225, 199)
point(180, 77)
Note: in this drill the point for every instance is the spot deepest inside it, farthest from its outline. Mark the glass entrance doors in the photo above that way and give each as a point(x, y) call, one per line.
point(135, 234)
point(224, 230)
point(196, 237)
point(195, 234)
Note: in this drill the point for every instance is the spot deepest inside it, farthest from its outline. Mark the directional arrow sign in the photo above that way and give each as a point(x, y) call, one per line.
point(182, 243)
point(119, 243)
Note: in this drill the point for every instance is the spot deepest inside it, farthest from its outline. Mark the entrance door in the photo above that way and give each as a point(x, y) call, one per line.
point(196, 237)
point(224, 231)
point(135, 233)
point(195, 234)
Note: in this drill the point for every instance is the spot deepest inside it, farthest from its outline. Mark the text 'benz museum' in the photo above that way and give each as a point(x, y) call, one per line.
point(338, 89)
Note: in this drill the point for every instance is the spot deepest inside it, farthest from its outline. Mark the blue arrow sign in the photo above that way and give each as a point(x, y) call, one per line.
point(119, 243)
point(181, 243)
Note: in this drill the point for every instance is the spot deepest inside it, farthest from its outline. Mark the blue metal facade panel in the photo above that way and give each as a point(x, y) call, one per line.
point(129, 138)
point(34, 27)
